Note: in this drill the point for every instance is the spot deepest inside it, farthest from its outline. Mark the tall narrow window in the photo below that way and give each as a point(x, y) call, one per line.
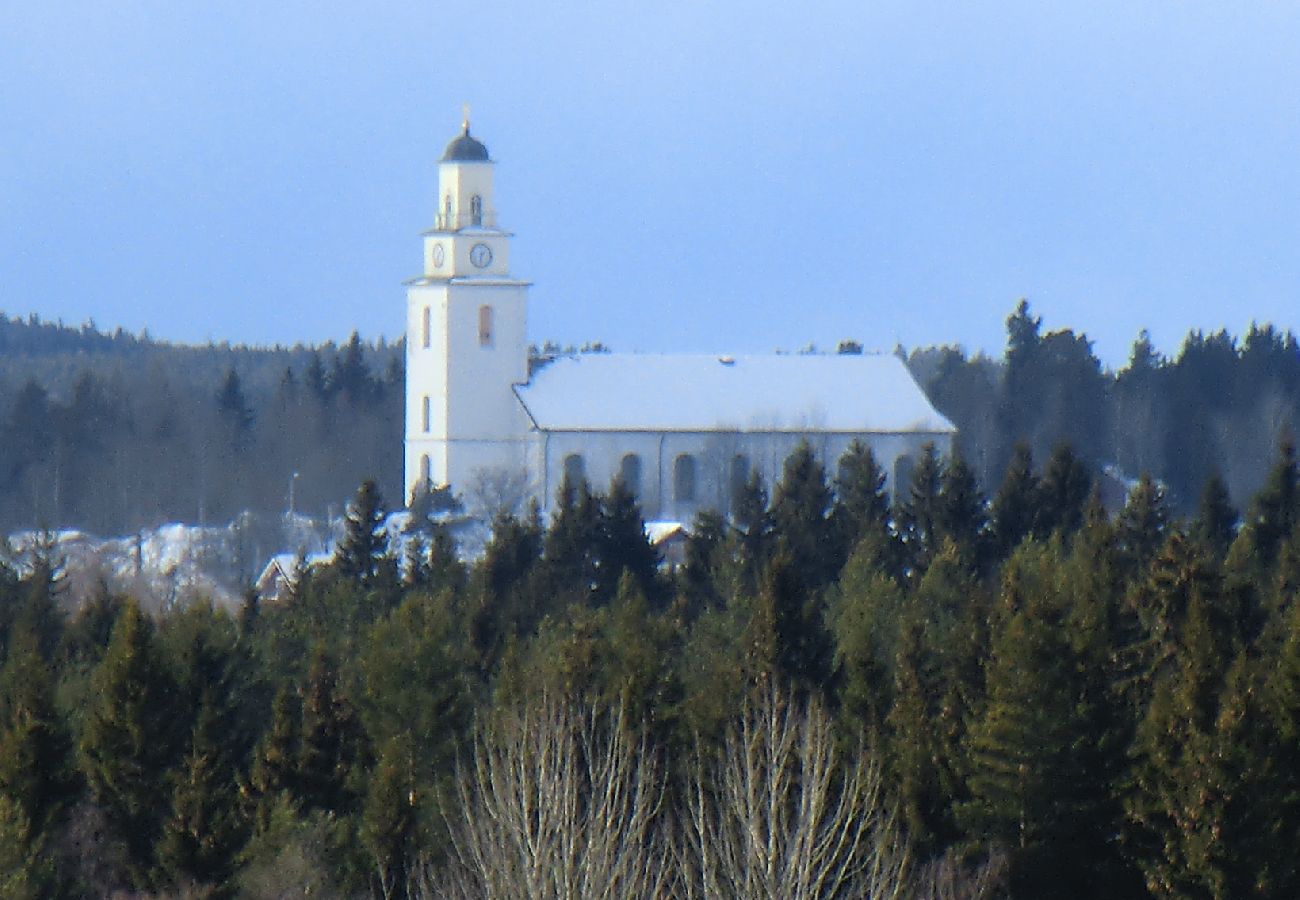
point(446, 214)
point(684, 478)
point(424, 414)
point(485, 326)
point(426, 471)
point(629, 472)
point(575, 469)
point(426, 329)
point(476, 210)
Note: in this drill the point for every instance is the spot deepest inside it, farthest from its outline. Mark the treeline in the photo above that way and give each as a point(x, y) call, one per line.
point(1219, 407)
point(113, 433)
point(947, 695)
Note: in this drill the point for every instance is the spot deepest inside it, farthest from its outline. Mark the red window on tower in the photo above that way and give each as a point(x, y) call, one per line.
point(485, 326)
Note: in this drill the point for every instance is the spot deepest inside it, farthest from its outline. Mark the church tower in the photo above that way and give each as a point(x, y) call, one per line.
point(466, 336)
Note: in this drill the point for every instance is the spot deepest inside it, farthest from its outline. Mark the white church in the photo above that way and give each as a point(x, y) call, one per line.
point(682, 431)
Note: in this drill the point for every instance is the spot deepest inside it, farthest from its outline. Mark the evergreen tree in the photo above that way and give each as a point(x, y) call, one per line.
point(801, 508)
point(861, 501)
point(35, 747)
point(331, 744)
point(919, 516)
point(1015, 506)
point(363, 550)
point(1276, 507)
point(204, 830)
point(234, 412)
point(390, 822)
point(786, 641)
point(1141, 526)
point(1178, 808)
point(25, 872)
point(571, 553)
point(1063, 493)
point(128, 740)
point(754, 526)
point(624, 546)
point(961, 514)
point(866, 622)
point(273, 777)
point(1216, 520)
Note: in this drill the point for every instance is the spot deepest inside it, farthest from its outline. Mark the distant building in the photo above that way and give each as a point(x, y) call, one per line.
point(684, 431)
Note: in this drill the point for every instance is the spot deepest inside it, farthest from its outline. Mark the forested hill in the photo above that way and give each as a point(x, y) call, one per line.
point(1221, 406)
point(113, 432)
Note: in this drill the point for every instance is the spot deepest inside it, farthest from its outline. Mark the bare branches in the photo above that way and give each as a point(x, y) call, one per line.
point(777, 811)
point(558, 803)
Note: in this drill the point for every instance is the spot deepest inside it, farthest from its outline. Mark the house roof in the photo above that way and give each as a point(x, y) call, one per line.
point(848, 393)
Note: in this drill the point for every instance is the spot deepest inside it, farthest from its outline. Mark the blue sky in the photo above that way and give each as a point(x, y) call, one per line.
point(680, 175)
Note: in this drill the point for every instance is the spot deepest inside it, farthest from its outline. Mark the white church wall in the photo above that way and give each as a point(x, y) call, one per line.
point(713, 453)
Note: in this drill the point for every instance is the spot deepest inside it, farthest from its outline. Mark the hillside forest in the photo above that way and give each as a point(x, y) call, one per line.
point(836, 695)
point(113, 432)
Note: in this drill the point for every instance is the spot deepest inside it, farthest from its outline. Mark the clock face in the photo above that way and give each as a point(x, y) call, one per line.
point(480, 255)
point(439, 255)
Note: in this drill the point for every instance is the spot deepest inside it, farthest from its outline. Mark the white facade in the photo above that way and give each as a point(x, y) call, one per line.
point(683, 431)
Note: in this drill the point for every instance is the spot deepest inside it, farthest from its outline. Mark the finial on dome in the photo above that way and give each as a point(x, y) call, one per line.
point(464, 119)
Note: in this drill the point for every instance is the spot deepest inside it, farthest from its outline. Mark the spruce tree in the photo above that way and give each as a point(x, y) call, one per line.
point(390, 821)
point(1141, 526)
point(961, 514)
point(1063, 493)
point(332, 741)
point(364, 547)
point(1216, 520)
point(273, 777)
point(35, 746)
point(1014, 509)
point(1276, 508)
point(801, 507)
point(861, 501)
point(624, 547)
point(919, 515)
point(754, 525)
point(128, 741)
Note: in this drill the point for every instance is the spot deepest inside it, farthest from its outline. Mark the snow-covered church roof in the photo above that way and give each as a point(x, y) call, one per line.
point(785, 393)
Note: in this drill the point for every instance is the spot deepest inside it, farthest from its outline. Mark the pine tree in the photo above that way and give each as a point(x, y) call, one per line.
point(754, 525)
point(390, 821)
point(25, 872)
point(786, 641)
point(866, 619)
point(129, 739)
point(571, 552)
point(1015, 506)
point(273, 777)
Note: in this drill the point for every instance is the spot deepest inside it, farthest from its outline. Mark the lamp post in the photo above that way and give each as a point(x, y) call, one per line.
point(293, 481)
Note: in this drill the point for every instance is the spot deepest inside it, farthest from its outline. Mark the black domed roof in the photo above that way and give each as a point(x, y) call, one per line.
point(464, 148)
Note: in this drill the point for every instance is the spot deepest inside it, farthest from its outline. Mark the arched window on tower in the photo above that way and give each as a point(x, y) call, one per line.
point(575, 469)
point(426, 472)
point(485, 326)
point(476, 210)
point(446, 212)
point(629, 471)
point(424, 414)
point(684, 478)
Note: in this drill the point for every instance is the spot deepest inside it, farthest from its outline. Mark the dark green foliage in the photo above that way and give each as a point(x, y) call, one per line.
point(1063, 493)
point(363, 552)
point(624, 548)
point(130, 735)
point(1141, 526)
point(961, 516)
point(1014, 510)
point(1275, 509)
point(1215, 524)
point(801, 517)
point(861, 503)
point(35, 748)
point(919, 515)
point(332, 742)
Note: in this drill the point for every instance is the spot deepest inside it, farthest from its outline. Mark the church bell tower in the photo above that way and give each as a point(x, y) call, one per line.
point(466, 335)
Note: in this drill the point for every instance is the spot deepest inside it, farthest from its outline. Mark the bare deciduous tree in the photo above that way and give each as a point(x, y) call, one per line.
point(778, 812)
point(556, 803)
